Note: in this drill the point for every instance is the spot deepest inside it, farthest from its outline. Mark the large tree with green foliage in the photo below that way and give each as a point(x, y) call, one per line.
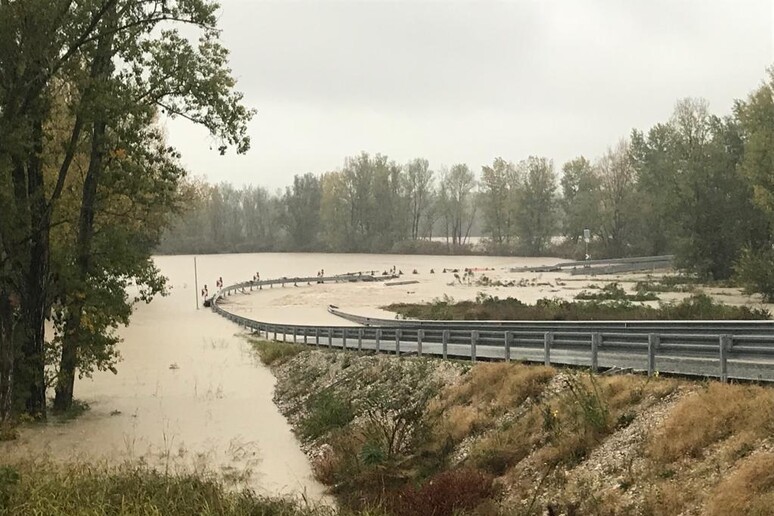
point(62, 50)
point(499, 191)
point(688, 172)
point(755, 116)
point(536, 215)
point(301, 204)
point(456, 197)
point(581, 197)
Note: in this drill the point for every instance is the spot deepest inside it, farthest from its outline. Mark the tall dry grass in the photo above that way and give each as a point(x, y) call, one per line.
point(749, 489)
point(563, 427)
point(711, 415)
point(487, 392)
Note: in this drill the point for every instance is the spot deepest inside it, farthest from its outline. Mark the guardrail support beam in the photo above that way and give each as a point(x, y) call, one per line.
point(596, 342)
point(317, 337)
point(548, 341)
point(344, 339)
point(508, 339)
point(725, 346)
point(653, 342)
point(397, 341)
point(378, 339)
point(330, 338)
point(473, 342)
point(420, 336)
point(360, 339)
point(445, 344)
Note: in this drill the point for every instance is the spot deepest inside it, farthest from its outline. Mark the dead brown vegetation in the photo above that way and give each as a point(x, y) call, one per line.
point(486, 393)
point(748, 490)
point(743, 413)
point(566, 440)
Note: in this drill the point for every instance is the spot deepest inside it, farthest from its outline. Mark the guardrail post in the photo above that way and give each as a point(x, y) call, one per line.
point(360, 339)
point(378, 339)
point(508, 338)
point(445, 343)
point(295, 332)
point(548, 341)
point(398, 333)
point(596, 342)
point(330, 338)
point(275, 333)
point(725, 346)
point(284, 334)
point(344, 339)
point(653, 342)
point(420, 336)
point(317, 337)
point(473, 342)
point(305, 336)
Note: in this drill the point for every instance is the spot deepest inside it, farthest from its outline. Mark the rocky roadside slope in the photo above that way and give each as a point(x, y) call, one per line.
point(407, 434)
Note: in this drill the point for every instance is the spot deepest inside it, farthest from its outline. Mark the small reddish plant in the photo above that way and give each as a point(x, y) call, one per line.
point(445, 494)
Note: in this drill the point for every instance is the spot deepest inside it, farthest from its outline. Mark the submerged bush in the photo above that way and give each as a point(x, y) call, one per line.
point(696, 307)
point(614, 292)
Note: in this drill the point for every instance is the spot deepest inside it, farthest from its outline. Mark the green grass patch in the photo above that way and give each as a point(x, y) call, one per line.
point(275, 353)
point(326, 411)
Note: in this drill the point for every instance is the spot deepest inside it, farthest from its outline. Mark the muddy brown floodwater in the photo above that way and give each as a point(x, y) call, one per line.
point(190, 392)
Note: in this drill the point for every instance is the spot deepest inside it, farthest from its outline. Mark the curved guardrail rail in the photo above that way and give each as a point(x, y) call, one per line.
point(727, 349)
point(741, 327)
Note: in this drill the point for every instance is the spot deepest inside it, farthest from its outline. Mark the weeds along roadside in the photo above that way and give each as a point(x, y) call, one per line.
point(496, 438)
point(45, 487)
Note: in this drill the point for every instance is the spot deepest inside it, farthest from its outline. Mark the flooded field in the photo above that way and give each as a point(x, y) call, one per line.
point(190, 392)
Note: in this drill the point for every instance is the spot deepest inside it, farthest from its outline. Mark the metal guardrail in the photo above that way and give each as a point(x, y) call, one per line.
point(606, 266)
point(737, 327)
point(721, 349)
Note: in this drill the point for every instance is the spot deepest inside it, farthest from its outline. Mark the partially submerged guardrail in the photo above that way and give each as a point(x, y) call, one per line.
point(604, 266)
point(721, 349)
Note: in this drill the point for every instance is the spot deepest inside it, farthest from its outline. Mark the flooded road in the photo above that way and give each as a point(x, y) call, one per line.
point(190, 392)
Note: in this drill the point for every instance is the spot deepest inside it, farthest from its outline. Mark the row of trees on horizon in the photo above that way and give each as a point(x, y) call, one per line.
point(698, 185)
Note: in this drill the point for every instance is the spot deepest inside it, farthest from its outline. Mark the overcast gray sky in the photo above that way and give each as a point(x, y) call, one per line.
point(469, 81)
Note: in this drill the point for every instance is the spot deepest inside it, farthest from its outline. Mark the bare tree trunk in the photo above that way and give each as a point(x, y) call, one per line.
point(7, 355)
point(30, 376)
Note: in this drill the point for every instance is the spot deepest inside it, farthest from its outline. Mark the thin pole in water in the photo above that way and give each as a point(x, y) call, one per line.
point(196, 284)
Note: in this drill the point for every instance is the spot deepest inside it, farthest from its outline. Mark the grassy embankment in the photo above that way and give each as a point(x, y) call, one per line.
point(423, 436)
